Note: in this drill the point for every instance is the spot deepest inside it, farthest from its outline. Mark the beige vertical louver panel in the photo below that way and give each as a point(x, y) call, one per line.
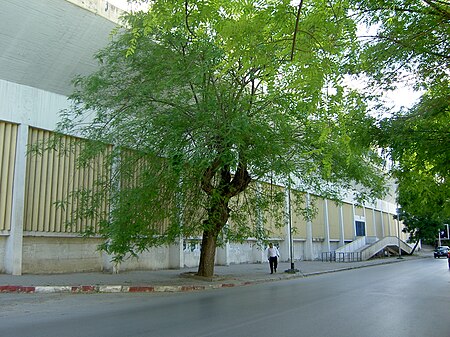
point(55, 183)
point(349, 225)
point(8, 139)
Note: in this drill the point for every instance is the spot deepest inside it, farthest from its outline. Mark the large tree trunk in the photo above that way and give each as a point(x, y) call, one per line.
point(219, 193)
point(217, 219)
point(415, 246)
point(207, 255)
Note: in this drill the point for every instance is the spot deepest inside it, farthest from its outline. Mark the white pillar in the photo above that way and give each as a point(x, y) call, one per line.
point(341, 227)
point(176, 249)
point(389, 224)
point(308, 243)
point(223, 254)
point(354, 222)
point(176, 254)
point(285, 245)
point(258, 251)
point(14, 243)
point(108, 264)
point(326, 242)
point(374, 220)
point(365, 220)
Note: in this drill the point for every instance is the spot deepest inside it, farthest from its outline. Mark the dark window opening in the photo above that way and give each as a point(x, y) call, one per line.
point(360, 228)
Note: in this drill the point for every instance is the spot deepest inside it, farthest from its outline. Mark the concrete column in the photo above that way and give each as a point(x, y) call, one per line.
point(223, 255)
point(389, 224)
point(176, 254)
point(107, 259)
point(365, 220)
point(176, 249)
point(14, 243)
point(374, 219)
point(326, 242)
point(308, 243)
point(258, 251)
point(108, 264)
point(382, 223)
point(285, 246)
point(341, 227)
point(354, 221)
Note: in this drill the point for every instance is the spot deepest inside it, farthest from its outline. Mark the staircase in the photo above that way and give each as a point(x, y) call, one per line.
point(389, 242)
point(363, 248)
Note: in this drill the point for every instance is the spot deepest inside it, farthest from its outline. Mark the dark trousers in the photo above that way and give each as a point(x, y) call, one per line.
point(273, 262)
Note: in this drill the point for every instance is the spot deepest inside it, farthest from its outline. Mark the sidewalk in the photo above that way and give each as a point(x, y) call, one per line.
point(176, 280)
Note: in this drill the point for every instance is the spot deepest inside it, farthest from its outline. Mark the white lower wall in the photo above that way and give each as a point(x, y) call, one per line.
point(60, 255)
point(334, 245)
point(2, 253)
point(43, 254)
point(299, 247)
point(191, 251)
point(240, 253)
point(63, 255)
point(153, 259)
point(317, 248)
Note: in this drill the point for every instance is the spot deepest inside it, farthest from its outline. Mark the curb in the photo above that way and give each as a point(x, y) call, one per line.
point(86, 289)
point(90, 289)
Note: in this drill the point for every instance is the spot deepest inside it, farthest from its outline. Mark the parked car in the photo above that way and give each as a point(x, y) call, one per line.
point(441, 251)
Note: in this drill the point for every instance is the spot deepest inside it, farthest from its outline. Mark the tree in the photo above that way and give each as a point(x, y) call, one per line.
point(412, 39)
point(204, 101)
point(419, 228)
point(418, 143)
point(412, 43)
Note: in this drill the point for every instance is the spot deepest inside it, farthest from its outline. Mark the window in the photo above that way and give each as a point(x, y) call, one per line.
point(360, 228)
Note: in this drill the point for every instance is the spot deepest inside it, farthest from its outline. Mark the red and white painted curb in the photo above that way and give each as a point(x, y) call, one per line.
point(113, 288)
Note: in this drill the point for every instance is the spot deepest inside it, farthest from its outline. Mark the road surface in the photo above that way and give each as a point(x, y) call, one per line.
point(407, 299)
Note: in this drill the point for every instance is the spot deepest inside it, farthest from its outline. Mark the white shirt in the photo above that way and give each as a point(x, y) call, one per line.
point(273, 252)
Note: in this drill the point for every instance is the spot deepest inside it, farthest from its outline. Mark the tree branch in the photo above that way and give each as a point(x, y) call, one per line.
point(208, 176)
point(296, 28)
point(186, 17)
point(240, 180)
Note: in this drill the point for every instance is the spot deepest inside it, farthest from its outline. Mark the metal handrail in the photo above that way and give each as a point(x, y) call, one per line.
point(341, 256)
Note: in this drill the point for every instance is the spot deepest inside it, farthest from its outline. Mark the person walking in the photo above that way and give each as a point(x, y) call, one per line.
point(272, 255)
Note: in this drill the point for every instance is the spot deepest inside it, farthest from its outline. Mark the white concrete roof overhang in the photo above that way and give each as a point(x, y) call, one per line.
point(45, 44)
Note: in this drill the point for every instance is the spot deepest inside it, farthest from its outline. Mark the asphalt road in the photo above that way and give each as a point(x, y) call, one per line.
point(408, 299)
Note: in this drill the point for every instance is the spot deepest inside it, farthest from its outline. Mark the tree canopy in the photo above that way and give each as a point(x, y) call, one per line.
point(206, 100)
point(419, 143)
point(412, 44)
point(412, 41)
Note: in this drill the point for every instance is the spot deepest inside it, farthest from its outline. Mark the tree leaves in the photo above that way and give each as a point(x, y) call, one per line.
point(206, 94)
point(413, 38)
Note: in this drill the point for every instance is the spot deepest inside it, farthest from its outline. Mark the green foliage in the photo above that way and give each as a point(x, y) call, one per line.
point(420, 228)
point(207, 95)
point(412, 43)
point(412, 36)
point(419, 143)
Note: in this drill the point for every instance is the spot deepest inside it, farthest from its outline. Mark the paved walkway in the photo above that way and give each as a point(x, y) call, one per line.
point(178, 280)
